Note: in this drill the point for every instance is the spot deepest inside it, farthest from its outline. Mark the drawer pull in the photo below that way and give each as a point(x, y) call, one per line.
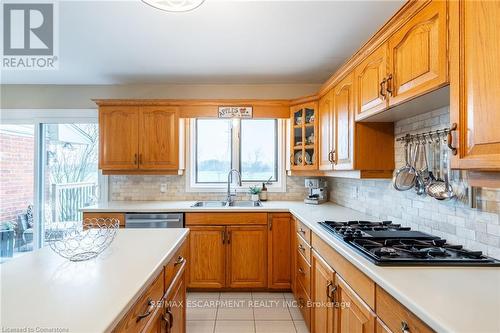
point(404, 327)
point(302, 231)
point(179, 260)
point(149, 310)
point(301, 271)
point(301, 248)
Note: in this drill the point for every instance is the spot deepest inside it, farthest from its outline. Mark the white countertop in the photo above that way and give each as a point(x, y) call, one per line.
point(42, 289)
point(448, 299)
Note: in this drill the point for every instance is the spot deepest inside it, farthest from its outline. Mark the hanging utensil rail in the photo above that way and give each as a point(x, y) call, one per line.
point(429, 135)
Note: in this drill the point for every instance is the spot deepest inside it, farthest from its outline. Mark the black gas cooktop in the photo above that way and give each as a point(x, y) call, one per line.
point(385, 243)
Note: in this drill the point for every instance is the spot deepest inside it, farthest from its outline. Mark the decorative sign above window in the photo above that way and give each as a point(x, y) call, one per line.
point(235, 112)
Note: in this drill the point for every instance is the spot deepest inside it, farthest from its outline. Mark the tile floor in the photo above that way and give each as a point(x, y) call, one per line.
point(243, 312)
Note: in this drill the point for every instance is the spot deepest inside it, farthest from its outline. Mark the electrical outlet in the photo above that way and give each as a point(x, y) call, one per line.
point(163, 188)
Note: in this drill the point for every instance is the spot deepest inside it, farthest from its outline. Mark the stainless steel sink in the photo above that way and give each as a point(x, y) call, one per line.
point(242, 203)
point(210, 204)
point(245, 203)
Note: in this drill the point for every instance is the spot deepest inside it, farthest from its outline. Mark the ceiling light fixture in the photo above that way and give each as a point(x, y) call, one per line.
point(174, 5)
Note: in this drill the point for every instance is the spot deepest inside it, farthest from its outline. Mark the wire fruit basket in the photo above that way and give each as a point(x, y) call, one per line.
point(83, 241)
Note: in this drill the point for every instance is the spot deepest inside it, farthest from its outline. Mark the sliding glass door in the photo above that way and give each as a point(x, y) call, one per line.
point(69, 174)
point(48, 172)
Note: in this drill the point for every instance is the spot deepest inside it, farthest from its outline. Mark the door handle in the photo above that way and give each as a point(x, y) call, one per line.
point(223, 237)
point(389, 85)
point(449, 139)
point(135, 158)
point(270, 224)
point(229, 237)
point(140, 158)
point(334, 156)
point(149, 310)
point(382, 86)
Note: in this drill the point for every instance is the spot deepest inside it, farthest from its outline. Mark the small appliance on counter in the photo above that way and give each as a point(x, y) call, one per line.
point(317, 192)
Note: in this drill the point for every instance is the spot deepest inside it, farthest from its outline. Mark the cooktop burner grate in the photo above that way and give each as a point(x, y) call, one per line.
point(386, 243)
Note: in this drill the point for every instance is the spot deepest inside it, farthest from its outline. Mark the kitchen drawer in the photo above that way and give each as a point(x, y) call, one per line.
point(396, 316)
point(144, 309)
point(225, 218)
point(304, 273)
point(174, 264)
point(303, 231)
point(304, 248)
point(303, 302)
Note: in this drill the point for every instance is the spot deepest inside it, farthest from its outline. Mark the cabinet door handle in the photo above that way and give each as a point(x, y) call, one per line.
point(302, 231)
point(404, 327)
point(334, 156)
point(223, 237)
point(140, 158)
point(449, 139)
point(179, 260)
point(330, 291)
point(171, 316)
point(301, 271)
point(149, 310)
point(389, 85)
point(135, 158)
point(301, 248)
point(382, 86)
point(229, 237)
point(330, 156)
point(166, 319)
point(270, 224)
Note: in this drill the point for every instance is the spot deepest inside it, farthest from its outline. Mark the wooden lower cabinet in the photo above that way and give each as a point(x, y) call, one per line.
point(279, 249)
point(354, 315)
point(323, 312)
point(246, 261)
point(175, 310)
point(233, 256)
point(207, 252)
point(162, 307)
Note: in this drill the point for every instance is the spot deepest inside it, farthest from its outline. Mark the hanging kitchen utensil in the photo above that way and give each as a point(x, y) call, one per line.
point(441, 189)
point(448, 193)
point(421, 173)
point(403, 179)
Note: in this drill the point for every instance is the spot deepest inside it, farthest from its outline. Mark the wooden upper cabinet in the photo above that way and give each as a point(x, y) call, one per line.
point(326, 132)
point(370, 83)
point(206, 257)
point(418, 59)
point(475, 83)
point(322, 284)
point(343, 110)
point(279, 249)
point(118, 137)
point(159, 138)
point(304, 135)
point(357, 317)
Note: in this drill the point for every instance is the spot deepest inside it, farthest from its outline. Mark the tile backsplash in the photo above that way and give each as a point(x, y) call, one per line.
point(139, 188)
point(454, 220)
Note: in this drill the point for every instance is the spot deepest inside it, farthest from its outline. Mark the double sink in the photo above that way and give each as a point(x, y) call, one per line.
point(242, 203)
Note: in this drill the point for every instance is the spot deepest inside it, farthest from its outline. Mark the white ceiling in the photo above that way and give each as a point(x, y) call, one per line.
point(129, 42)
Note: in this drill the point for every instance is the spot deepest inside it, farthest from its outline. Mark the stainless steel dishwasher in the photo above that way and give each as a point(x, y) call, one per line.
point(154, 220)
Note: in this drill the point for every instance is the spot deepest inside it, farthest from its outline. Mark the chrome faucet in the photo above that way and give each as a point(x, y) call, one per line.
point(230, 196)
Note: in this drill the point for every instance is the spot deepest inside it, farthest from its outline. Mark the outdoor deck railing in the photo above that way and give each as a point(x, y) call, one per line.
point(68, 198)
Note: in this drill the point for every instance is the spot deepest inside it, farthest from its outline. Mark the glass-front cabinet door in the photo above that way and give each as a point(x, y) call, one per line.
point(304, 137)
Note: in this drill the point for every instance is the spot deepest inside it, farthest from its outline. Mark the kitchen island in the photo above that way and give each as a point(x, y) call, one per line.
point(43, 292)
point(447, 299)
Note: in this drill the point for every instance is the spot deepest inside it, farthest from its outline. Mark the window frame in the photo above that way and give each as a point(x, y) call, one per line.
point(276, 186)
